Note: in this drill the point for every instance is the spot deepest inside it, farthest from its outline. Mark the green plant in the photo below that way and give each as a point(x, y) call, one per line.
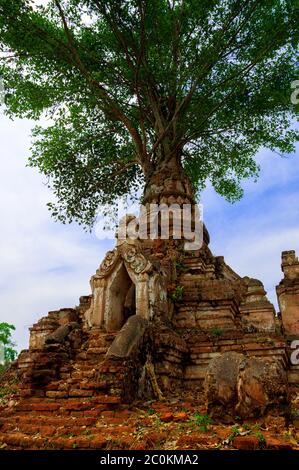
point(3, 368)
point(183, 426)
point(235, 431)
point(6, 392)
point(203, 421)
point(158, 444)
point(6, 342)
point(180, 266)
point(261, 439)
point(246, 427)
point(256, 427)
point(157, 423)
point(217, 331)
point(176, 294)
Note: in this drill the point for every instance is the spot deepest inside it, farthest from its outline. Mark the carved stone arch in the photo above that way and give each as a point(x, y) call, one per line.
point(123, 286)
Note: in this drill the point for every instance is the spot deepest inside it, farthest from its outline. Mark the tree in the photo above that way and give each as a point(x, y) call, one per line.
point(143, 92)
point(5, 340)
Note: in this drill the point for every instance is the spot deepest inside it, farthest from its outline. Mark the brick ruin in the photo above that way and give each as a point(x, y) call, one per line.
point(160, 323)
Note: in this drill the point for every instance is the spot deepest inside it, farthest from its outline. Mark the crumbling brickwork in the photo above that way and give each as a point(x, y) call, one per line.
point(156, 322)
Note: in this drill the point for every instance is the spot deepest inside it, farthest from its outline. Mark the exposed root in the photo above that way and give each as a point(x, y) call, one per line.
point(149, 368)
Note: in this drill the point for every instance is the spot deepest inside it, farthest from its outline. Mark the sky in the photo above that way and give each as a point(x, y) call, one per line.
point(45, 265)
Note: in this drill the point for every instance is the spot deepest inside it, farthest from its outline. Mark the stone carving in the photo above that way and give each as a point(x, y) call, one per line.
point(137, 261)
point(108, 263)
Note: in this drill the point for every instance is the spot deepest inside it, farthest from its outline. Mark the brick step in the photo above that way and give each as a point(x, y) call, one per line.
point(55, 405)
point(168, 425)
point(96, 334)
point(27, 432)
point(45, 420)
point(249, 343)
point(74, 430)
point(18, 441)
point(76, 392)
point(68, 388)
point(69, 414)
point(80, 364)
point(123, 438)
point(101, 342)
point(85, 384)
point(90, 357)
point(100, 339)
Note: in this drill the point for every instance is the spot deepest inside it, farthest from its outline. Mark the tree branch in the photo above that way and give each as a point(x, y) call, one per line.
point(245, 71)
point(124, 168)
point(184, 103)
point(112, 105)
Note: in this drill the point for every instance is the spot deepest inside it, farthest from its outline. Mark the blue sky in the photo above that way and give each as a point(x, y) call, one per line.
point(45, 266)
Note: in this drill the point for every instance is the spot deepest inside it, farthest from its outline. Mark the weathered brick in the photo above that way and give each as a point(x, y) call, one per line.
point(97, 442)
point(109, 399)
point(246, 443)
point(80, 393)
point(79, 406)
point(41, 406)
point(278, 444)
point(56, 394)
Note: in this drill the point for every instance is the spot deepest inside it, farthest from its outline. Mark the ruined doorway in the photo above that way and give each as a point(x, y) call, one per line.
point(122, 299)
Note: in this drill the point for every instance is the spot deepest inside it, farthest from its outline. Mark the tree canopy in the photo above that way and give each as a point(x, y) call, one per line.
point(129, 83)
point(5, 340)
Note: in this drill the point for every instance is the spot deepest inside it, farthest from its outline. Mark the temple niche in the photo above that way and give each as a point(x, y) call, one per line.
point(125, 284)
point(114, 295)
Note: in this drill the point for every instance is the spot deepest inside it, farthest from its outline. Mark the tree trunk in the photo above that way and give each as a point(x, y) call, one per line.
point(169, 184)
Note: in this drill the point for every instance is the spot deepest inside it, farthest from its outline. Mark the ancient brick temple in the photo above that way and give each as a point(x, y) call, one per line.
point(162, 323)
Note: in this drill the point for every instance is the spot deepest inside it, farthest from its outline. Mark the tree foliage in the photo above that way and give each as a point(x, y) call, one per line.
point(5, 340)
point(130, 83)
